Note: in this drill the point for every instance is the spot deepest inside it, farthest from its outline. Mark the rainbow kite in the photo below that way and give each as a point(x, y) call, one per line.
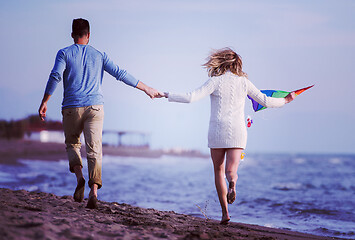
point(276, 94)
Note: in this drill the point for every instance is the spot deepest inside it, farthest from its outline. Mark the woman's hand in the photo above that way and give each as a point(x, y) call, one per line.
point(290, 97)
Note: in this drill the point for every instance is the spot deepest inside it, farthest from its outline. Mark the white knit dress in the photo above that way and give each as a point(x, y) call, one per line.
point(227, 122)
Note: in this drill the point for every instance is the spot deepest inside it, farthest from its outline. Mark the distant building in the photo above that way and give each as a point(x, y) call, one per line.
point(48, 131)
point(125, 138)
point(52, 131)
point(110, 138)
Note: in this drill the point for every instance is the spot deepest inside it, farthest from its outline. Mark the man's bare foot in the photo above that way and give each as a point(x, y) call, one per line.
point(92, 203)
point(79, 190)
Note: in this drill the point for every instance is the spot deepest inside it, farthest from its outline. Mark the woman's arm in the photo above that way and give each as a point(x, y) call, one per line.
point(206, 89)
point(269, 102)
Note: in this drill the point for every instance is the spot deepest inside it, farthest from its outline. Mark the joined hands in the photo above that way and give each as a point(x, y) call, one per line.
point(153, 93)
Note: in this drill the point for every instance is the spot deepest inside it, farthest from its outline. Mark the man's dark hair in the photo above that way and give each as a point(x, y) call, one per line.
point(80, 27)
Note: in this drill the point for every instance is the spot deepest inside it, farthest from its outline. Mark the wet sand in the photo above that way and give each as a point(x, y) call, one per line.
point(32, 215)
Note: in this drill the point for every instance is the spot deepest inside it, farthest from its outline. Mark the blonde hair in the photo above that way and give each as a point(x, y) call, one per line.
point(223, 60)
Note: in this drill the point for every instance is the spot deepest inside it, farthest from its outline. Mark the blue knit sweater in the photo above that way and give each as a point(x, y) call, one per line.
point(82, 68)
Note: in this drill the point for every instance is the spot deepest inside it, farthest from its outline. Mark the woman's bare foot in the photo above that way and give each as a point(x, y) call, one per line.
point(225, 219)
point(231, 195)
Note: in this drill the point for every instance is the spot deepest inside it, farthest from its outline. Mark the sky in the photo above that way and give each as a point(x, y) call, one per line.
point(284, 45)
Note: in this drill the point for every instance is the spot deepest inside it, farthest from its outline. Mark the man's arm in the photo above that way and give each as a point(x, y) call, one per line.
point(128, 79)
point(43, 108)
point(54, 78)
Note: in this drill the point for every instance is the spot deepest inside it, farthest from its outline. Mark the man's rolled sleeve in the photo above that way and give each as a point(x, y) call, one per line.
point(130, 80)
point(52, 83)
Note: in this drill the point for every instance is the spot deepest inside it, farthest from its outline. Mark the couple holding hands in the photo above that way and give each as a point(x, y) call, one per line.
point(81, 67)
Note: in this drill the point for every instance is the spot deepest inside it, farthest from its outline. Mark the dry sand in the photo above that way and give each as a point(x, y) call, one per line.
point(32, 215)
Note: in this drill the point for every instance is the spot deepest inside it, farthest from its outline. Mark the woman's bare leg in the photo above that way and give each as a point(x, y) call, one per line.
point(232, 162)
point(217, 156)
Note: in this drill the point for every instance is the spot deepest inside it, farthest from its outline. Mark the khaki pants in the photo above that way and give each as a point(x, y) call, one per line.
point(90, 121)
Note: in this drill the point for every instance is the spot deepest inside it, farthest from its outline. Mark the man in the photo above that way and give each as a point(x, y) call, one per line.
point(82, 67)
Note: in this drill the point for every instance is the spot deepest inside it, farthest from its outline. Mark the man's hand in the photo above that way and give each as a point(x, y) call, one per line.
point(43, 108)
point(160, 95)
point(42, 111)
point(151, 92)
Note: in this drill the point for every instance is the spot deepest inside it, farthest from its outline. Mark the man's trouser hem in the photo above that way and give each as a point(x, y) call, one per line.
point(93, 181)
point(72, 164)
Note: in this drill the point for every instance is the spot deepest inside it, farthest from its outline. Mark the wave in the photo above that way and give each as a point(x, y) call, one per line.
point(312, 211)
point(292, 186)
point(262, 200)
point(329, 232)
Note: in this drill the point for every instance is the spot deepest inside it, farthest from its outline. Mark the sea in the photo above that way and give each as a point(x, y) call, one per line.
point(308, 193)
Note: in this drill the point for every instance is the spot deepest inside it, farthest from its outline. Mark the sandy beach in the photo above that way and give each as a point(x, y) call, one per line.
point(39, 215)
point(32, 215)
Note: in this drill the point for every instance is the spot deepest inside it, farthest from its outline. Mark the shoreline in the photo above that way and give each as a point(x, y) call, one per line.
point(39, 215)
point(12, 150)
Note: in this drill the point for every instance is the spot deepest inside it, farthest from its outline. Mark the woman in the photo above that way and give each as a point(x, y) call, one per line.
point(228, 88)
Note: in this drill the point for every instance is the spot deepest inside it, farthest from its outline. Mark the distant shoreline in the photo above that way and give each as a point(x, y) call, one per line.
point(38, 215)
point(12, 150)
